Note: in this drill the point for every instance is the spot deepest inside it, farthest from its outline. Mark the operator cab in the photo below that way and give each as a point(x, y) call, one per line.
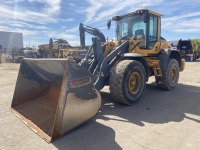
point(141, 24)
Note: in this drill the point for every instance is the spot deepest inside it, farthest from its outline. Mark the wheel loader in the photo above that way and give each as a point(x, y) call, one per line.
point(53, 96)
point(60, 49)
point(188, 49)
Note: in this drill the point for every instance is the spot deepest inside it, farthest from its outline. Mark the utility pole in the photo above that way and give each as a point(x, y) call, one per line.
point(50, 47)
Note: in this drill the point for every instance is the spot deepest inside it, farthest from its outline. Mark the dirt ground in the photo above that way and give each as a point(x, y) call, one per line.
point(162, 120)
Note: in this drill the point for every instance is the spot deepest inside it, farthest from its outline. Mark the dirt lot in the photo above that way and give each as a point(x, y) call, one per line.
point(161, 120)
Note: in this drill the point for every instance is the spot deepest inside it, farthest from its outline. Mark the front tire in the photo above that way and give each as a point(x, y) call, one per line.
point(170, 77)
point(127, 81)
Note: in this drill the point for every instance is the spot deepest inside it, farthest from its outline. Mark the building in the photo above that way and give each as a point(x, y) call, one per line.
point(10, 40)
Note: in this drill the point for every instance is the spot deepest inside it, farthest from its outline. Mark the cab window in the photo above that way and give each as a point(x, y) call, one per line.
point(153, 31)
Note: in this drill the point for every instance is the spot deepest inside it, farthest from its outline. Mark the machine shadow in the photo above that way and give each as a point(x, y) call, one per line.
point(156, 107)
point(90, 135)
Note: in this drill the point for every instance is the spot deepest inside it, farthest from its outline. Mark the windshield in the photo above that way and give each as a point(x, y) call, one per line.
point(132, 26)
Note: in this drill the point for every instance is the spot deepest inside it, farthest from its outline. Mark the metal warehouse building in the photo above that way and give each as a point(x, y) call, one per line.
point(9, 40)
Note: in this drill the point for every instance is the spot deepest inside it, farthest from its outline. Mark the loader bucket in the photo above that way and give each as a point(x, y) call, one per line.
point(53, 96)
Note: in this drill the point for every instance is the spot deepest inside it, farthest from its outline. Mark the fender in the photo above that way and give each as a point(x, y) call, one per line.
point(138, 57)
point(164, 56)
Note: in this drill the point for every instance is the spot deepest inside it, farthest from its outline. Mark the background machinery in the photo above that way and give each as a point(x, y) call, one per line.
point(17, 55)
point(188, 49)
point(55, 46)
point(54, 96)
point(60, 48)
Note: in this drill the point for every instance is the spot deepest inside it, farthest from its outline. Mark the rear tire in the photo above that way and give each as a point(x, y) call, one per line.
point(197, 56)
point(127, 81)
point(170, 77)
point(194, 57)
point(191, 59)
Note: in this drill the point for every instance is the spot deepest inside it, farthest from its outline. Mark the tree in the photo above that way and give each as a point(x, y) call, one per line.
point(197, 42)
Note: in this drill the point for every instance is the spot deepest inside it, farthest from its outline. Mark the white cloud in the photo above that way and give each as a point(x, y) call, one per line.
point(66, 36)
point(31, 42)
point(182, 16)
point(67, 20)
point(71, 38)
point(40, 27)
point(92, 9)
point(21, 24)
point(102, 10)
point(25, 32)
point(8, 12)
point(185, 23)
point(73, 30)
point(38, 24)
point(32, 21)
point(72, 4)
point(46, 13)
point(56, 35)
point(50, 6)
point(29, 36)
point(5, 28)
point(186, 30)
point(11, 2)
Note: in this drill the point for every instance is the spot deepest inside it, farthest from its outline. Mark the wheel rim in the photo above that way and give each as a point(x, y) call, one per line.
point(134, 83)
point(173, 75)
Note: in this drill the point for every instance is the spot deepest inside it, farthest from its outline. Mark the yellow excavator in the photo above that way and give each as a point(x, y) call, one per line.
point(54, 96)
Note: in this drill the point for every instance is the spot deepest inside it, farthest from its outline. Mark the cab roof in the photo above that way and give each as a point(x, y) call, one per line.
point(135, 12)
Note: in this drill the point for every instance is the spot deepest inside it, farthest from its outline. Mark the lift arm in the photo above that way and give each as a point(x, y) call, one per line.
point(93, 31)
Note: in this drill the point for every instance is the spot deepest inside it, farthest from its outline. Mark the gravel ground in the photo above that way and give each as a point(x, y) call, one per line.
point(162, 120)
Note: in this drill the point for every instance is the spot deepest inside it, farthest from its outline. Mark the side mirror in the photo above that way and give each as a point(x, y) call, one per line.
point(108, 24)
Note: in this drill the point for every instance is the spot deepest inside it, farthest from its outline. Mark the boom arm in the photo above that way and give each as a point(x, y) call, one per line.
point(83, 28)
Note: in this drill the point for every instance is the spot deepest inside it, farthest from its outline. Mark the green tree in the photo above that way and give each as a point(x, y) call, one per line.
point(197, 42)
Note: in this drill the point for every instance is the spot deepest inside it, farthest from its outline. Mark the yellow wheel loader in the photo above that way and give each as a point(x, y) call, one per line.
point(54, 96)
point(60, 48)
point(188, 49)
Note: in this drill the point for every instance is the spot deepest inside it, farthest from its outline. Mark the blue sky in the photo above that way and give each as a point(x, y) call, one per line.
point(40, 20)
